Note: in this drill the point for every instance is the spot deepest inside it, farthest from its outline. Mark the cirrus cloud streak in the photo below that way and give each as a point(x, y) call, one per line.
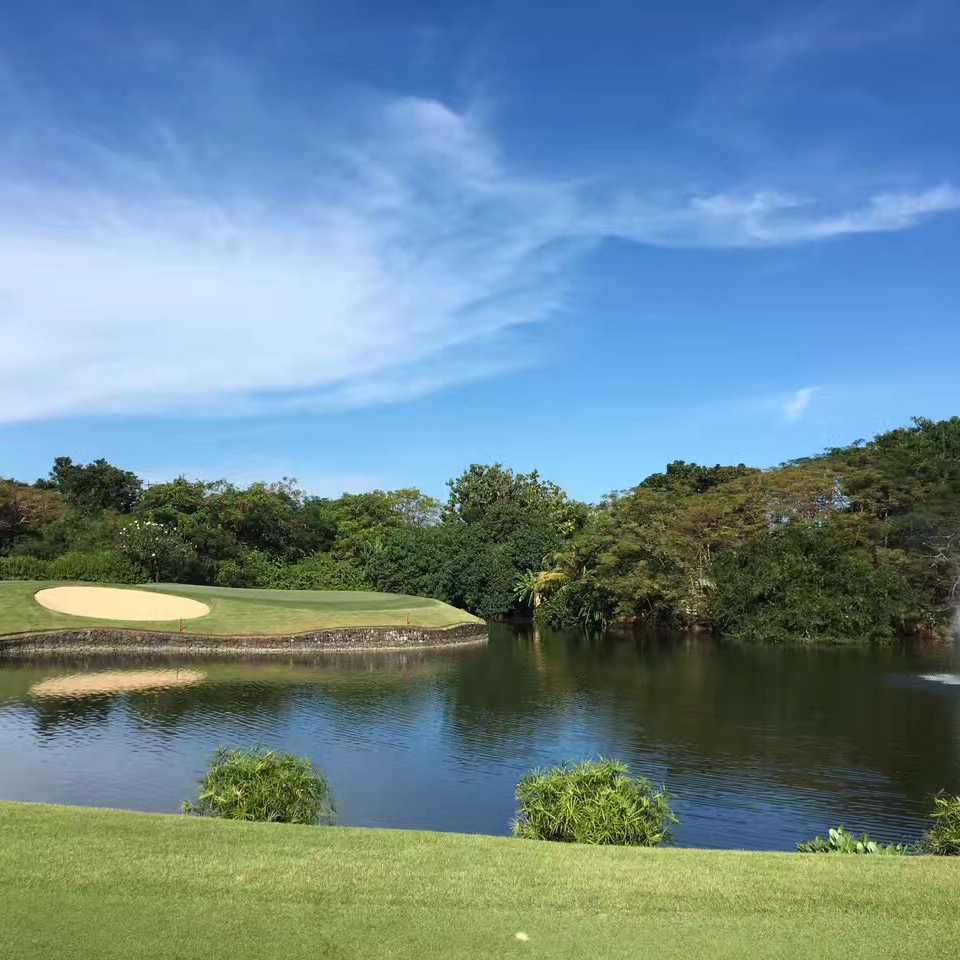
point(407, 255)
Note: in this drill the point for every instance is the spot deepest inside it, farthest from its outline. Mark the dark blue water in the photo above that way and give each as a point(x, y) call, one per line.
point(760, 747)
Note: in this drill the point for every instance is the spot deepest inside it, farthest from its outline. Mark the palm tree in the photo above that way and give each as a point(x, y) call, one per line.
point(525, 588)
point(370, 550)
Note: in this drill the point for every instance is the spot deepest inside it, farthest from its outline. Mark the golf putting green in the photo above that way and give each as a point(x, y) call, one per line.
point(213, 611)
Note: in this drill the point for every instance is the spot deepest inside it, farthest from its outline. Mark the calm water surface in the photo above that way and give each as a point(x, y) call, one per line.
point(759, 747)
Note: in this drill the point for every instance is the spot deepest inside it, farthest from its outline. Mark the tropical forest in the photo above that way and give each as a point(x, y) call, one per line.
point(857, 544)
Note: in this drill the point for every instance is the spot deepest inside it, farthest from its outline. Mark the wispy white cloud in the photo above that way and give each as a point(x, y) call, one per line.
point(837, 26)
point(401, 268)
point(766, 82)
point(771, 219)
point(404, 254)
point(795, 407)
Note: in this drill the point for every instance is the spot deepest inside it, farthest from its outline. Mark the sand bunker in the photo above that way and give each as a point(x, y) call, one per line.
point(111, 603)
point(114, 681)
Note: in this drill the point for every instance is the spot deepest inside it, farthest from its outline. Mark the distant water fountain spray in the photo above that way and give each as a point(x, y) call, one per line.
point(956, 642)
point(950, 678)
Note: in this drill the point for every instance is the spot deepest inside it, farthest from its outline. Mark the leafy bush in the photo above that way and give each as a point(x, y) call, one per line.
point(576, 605)
point(803, 582)
point(76, 531)
point(839, 841)
point(417, 561)
point(943, 838)
point(483, 577)
point(592, 802)
point(100, 566)
point(23, 568)
point(321, 572)
point(159, 549)
point(264, 785)
point(24, 512)
point(252, 568)
point(470, 565)
point(95, 486)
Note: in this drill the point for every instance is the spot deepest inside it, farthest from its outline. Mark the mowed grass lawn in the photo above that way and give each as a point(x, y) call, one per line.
point(100, 884)
point(235, 611)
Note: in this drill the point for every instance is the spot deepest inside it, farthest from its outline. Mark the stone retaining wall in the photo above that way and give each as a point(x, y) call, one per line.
point(112, 640)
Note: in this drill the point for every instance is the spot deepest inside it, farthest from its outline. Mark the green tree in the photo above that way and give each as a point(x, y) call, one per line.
point(25, 511)
point(361, 519)
point(420, 561)
point(802, 582)
point(76, 530)
point(94, 486)
point(159, 549)
point(525, 588)
point(167, 503)
point(480, 490)
point(366, 519)
point(694, 478)
point(650, 550)
point(416, 508)
point(261, 517)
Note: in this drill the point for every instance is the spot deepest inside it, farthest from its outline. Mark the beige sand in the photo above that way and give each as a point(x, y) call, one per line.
point(114, 681)
point(111, 603)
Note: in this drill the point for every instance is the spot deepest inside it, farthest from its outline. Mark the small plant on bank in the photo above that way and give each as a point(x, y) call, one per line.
point(943, 838)
point(264, 785)
point(840, 841)
point(592, 802)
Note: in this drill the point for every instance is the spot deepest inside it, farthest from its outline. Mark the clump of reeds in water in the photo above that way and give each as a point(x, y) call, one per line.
point(264, 785)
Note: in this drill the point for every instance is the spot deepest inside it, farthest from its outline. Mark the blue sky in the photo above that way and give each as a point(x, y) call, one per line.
point(367, 244)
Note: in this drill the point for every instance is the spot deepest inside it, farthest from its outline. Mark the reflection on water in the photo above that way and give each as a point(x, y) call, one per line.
point(760, 747)
point(114, 681)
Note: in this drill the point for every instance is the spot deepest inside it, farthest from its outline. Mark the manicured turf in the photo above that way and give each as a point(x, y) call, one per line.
point(104, 885)
point(247, 612)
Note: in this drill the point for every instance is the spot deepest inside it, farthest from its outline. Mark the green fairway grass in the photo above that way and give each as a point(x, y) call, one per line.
point(240, 612)
point(78, 884)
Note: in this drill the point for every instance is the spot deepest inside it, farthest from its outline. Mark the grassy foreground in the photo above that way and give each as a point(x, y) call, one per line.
point(235, 611)
point(101, 884)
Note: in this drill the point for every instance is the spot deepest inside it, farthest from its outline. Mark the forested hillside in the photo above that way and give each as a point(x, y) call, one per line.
point(857, 544)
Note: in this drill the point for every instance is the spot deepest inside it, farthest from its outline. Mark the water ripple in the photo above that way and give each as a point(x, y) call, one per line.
point(760, 749)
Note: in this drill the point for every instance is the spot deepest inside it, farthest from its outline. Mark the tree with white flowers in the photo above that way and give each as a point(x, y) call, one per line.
point(160, 549)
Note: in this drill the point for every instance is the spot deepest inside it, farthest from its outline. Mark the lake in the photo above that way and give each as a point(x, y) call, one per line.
point(759, 747)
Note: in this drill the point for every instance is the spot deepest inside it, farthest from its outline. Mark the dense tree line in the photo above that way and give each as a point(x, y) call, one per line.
point(858, 543)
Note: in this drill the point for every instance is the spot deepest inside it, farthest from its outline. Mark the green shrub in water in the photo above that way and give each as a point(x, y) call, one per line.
point(943, 838)
point(592, 802)
point(839, 841)
point(263, 785)
point(577, 605)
